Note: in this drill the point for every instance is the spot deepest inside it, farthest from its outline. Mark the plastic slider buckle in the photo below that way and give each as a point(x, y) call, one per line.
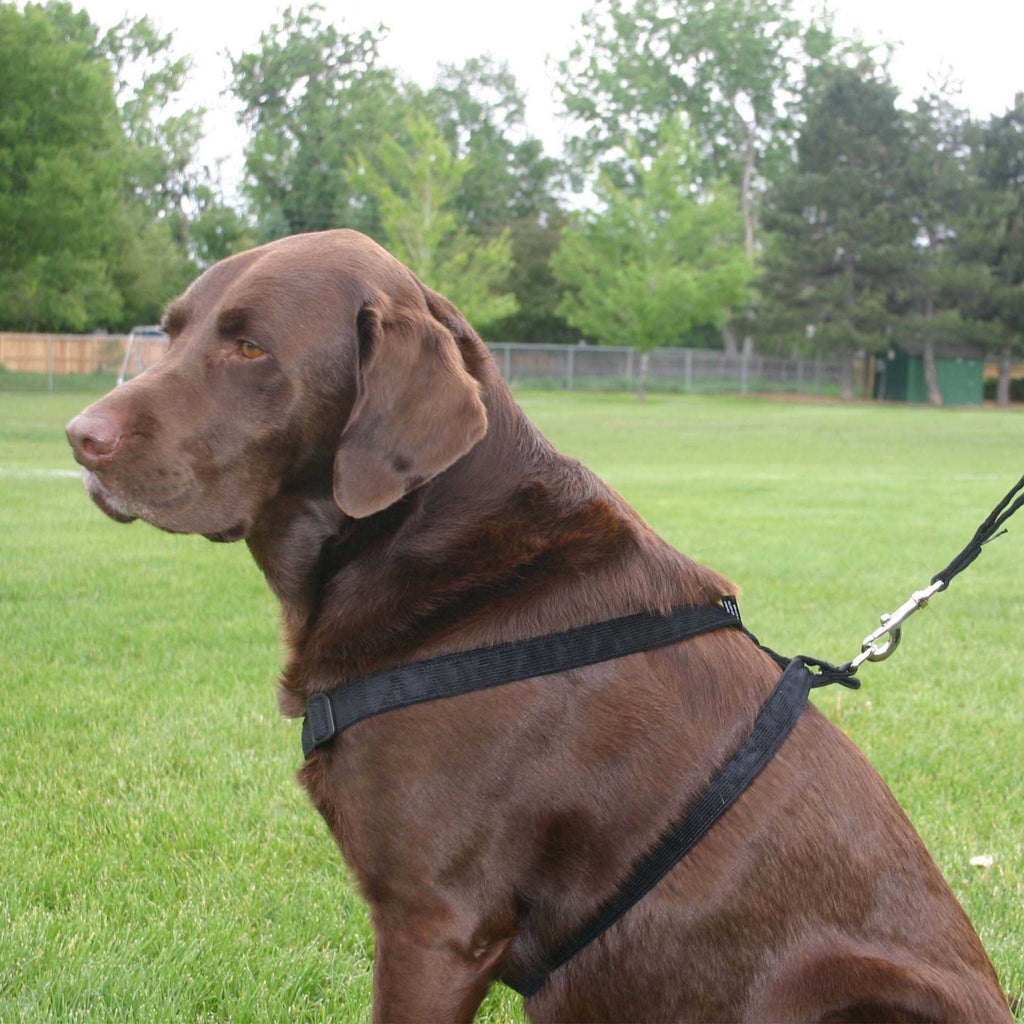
point(320, 716)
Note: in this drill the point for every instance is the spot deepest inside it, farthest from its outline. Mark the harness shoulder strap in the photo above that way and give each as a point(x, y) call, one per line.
point(774, 723)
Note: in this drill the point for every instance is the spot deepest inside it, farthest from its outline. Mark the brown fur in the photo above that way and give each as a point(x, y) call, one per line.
point(401, 506)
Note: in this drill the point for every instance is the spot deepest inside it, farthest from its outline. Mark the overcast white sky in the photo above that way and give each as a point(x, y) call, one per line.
point(981, 40)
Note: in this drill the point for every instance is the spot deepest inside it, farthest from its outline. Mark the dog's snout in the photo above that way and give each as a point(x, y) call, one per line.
point(94, 437)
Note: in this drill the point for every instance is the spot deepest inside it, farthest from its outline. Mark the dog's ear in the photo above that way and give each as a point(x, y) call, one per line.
point(417, 410)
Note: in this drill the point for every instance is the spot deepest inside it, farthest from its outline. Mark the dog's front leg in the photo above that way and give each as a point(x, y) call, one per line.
point(425, 974)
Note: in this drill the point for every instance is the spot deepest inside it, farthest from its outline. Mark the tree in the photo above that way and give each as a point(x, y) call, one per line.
point(509, 184)
point(61, 174)
point(658, 259)
point(842, 222)
point(1000, 165)
point(84, 245)
point(735, 67)
point(161, 171)
point(311, 96)
point(216, 228)
point(938, 187)
point(414, 178)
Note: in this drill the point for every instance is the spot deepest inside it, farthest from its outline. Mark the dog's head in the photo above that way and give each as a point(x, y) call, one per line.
point(317, 358)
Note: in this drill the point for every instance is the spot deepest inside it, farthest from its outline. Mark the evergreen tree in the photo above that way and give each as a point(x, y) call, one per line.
point(1000, 166)
point(842, 222)
point(938, 188)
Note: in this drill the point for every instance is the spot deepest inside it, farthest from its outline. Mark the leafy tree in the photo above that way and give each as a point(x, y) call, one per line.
point(658, 260)
point(480, 110)
point(735, 67)
point(161, 169)
point(61, 174)
point(414, 179)
point(88, 239)
point(509, 184)
point(216, 228)
point(842, 222)
point(312, 95)
point(162, 173)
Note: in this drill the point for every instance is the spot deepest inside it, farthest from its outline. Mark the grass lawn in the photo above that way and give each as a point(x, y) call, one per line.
point(161, 864)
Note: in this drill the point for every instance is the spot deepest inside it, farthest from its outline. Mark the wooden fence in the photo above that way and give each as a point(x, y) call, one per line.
point(61, 353)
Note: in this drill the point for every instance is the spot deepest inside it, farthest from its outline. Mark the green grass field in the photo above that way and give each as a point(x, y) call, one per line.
point(159, 861)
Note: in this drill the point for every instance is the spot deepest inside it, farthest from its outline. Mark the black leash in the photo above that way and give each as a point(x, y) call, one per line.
point(989, 530)
point(328, 714)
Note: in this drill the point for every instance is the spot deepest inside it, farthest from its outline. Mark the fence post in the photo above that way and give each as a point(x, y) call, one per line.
point(799, 374)
point(688, 369)
point(570, 366)
point(49, 359)
point(508, 363)
point(817, 373)
point(743, 371)
point(630, 356)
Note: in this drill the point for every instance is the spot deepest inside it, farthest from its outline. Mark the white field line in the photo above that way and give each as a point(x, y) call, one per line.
point(28, 473)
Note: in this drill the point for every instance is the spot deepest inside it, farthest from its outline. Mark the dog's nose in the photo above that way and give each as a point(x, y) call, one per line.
point(94, 437)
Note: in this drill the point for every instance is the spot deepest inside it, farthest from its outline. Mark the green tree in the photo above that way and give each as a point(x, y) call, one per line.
point(842, 222)
point(88, 240)
point(658, 259)
point(61, 176)
point(1000, 238)
point(216, 228)
point(162, 174)
point(938, 191)
point(414, 178)
point(312, 95)
point(735, 67)
point(509, 185)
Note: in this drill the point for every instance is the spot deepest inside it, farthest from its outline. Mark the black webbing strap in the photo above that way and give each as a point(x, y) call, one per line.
point(988, 530)
point(328, 714)
point(773, 724)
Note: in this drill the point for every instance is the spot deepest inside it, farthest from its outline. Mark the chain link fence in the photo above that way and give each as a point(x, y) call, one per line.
point(59, 362)
point(589, 367)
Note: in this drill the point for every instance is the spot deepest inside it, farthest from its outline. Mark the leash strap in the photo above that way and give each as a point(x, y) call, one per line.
point(774, 722)
point(988, 530)
point(328, 714)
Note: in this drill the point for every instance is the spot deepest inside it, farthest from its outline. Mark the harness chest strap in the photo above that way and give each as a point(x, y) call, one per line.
point(328, 714)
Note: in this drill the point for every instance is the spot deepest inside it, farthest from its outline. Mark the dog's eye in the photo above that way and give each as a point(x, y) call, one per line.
point(249, 349)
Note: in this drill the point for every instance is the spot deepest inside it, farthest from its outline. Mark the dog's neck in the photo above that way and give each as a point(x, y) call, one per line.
point(509, 522)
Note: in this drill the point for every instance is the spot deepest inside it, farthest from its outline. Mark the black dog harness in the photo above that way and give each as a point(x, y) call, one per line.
point(328, 714)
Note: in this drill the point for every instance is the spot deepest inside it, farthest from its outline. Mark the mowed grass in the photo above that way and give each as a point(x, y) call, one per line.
point(159, 862)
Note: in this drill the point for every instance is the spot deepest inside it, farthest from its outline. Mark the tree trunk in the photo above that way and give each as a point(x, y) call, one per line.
point(641, 377)
point(747, 207)
point(931, 373)
point(729, 341)
point(846, 375)
point(1003, 387)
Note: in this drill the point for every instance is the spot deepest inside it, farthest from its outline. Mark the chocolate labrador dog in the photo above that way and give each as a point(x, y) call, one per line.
point(319, 402)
